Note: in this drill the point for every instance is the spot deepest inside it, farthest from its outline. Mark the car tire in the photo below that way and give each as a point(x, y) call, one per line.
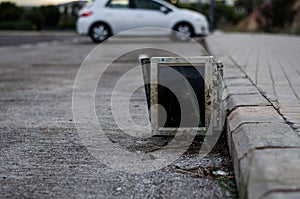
point(99, 32)
point(182, 32)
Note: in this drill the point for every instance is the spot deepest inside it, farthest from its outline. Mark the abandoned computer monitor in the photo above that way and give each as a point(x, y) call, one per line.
point(182, 93)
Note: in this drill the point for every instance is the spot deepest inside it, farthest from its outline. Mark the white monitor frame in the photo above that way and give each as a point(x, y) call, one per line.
point(212, 73)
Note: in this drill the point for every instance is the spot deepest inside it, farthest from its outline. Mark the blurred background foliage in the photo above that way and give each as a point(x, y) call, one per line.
point(270, 16)
point(46, 17)
point(244, 15)
point(277, 14)
point(224, 15)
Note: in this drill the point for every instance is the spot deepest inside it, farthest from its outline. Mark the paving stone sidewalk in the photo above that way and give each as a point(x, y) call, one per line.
point(262, 80)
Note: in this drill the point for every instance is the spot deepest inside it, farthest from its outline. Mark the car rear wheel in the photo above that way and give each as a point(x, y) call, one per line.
point(182, 32)
point(99, 32)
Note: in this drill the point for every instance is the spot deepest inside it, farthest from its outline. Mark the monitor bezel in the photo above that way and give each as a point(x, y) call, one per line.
point(155, 63)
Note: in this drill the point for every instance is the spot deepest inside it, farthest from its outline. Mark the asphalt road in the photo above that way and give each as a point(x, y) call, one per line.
point(42, 153)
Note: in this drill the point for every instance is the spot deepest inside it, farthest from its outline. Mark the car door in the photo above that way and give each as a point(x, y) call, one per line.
point(152, 14)
point(120, 14)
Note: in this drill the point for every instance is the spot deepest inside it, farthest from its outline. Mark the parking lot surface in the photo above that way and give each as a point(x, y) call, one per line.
point(42, 154)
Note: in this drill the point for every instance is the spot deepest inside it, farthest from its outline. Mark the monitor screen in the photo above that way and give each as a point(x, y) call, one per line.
point(181, 87)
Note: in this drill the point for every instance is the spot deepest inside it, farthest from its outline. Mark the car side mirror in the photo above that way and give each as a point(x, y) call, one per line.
point(164, 10)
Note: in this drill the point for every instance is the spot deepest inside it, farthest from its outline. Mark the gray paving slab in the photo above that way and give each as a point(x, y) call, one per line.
point(237, 82)
point(233, 73)
point(241, 90)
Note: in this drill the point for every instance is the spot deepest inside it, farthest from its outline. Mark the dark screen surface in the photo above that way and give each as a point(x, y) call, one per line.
point(173, 88)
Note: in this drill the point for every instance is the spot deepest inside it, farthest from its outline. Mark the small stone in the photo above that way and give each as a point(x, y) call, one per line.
point(220, 173)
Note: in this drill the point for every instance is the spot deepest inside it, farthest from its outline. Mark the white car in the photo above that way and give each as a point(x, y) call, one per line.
point(101, 19)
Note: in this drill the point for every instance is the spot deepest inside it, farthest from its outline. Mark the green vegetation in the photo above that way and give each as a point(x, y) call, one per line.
point(68, 19)
point(46, 17)
point(278, 15)
point(270, 16)
point(248, 6)
point(10, 12)
point(11, 17)
point(223, 14)
point(36, 18)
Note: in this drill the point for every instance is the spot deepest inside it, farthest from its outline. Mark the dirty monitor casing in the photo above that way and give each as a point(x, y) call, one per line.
point(183, 94)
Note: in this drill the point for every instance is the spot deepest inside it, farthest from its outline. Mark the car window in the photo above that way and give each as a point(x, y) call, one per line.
point(118, 4)
point(147, 4)
point(89, 3)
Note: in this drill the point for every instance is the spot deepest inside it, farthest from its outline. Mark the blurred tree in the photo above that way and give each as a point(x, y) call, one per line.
point(242, 5)
point(10, 11)
point(69, 15)
point(50, 14)
point(223, 13)
point(277, 14)
point(36, 17)
point(248, 5)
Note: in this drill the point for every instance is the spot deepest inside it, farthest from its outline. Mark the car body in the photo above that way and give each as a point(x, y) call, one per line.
point(101, 19)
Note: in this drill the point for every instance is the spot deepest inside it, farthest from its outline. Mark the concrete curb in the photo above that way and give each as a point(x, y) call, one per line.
point(264, 149)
